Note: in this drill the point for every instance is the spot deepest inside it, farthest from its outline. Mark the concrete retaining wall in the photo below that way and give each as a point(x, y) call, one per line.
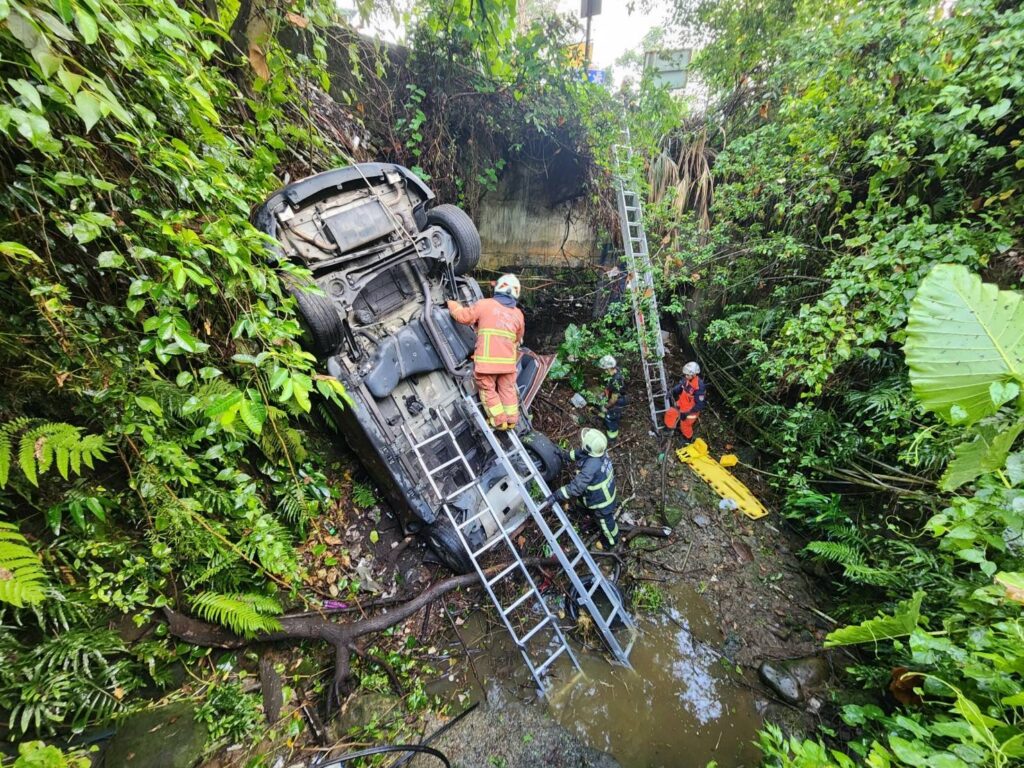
point(518, 227)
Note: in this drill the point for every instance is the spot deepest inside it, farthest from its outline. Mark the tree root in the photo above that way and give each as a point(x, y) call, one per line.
point(341, 636)
point(630, 532)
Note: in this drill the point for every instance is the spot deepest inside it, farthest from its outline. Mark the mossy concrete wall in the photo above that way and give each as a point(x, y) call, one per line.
point(521, 225)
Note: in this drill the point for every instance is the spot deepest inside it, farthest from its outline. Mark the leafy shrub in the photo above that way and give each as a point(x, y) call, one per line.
point(860, 155)
point(150, 353)
point(230, 714)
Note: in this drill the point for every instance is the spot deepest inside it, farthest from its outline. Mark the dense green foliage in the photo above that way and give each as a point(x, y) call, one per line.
point(139, 316)
point(157, 401)
point(849, 158)
point(156, 394)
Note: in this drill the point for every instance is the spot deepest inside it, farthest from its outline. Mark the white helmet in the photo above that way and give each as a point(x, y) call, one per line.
point(606, 363)
point(509, 285)
point(691, 369)
point(594, 442)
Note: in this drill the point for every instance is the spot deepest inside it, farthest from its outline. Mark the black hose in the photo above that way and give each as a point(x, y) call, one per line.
point(451, 723)
point(338, 762)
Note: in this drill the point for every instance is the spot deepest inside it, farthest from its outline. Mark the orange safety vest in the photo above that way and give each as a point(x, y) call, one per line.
point(684, 404)
point(499, 332)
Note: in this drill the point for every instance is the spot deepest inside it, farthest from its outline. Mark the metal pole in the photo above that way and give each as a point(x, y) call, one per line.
point(586, 47)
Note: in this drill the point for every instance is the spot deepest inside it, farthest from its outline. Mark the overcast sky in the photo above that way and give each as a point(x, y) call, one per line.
point(612, 33)
point(615, 31)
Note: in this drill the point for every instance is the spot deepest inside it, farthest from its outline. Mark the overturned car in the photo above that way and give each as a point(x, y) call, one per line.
point(386, 260)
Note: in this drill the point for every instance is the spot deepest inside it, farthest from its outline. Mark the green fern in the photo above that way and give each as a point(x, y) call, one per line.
point(887, 397)
point(243, 613)
point(850, 556)
point(41, 444)
point(297, 505)
point(22, 578)
point(84, 652)
point(363, 495)
point(838, 552)
point(278, 441)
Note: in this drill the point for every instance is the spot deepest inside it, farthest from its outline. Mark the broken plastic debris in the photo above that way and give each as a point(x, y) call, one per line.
point(728, 505)
point(578, 400)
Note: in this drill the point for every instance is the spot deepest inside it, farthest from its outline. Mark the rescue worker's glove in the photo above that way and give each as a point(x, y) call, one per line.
point(452, 305)
point(549, 500)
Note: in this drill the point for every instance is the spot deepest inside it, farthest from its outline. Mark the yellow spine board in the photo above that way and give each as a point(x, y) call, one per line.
point(720, 479)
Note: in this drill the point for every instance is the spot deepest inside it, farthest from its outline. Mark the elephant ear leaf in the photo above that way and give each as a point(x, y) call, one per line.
point(987, 452)
point(965, 344)
point(904, 620)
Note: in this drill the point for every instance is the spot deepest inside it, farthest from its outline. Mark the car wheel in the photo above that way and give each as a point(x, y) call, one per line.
point(545, 454)
point(457, 223)
point(319, 316)
point(444, 541)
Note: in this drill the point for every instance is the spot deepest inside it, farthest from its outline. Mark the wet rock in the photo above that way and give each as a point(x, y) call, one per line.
point(702, 521)
point(746, 454)
point(167, 737)
point(732, 646)
point(743, 551)
point(779, 680)
point(794, 679)
point(361, 710)
point(811, 672)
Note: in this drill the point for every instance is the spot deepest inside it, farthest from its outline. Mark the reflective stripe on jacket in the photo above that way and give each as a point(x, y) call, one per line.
point(595, 481)
point(499, 332)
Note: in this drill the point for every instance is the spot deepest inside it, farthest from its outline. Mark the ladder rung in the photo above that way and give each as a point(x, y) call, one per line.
point(522, 599)
point(535, 630)
point(543, 667)
point(554, 536)
point(431, 439)
point(503, 574)
point(459, 491)
point(487, 546)
point(447, 464)
point(474, 518)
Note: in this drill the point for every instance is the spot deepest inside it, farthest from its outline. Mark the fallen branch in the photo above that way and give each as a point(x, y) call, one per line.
point(631, 532)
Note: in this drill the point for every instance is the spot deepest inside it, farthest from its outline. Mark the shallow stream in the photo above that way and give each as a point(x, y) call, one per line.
point(680, 705)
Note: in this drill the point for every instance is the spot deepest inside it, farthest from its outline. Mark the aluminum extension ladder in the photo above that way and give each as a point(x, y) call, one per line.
point(640, 282)
point(544, 642)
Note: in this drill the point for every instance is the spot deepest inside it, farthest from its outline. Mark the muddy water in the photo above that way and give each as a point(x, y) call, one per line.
point(678, 706)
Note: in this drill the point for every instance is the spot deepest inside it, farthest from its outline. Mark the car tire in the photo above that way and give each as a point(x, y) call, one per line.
point(457, 223)
point(441, 537)
point(319, 317)
point(545, 454)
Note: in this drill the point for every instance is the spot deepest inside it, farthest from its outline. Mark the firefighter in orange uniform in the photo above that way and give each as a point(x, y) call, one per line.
point(689, 396)
point(499, 326)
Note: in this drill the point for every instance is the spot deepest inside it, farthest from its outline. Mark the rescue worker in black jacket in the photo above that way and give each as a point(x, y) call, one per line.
point(594, 484)
point(614, 396)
